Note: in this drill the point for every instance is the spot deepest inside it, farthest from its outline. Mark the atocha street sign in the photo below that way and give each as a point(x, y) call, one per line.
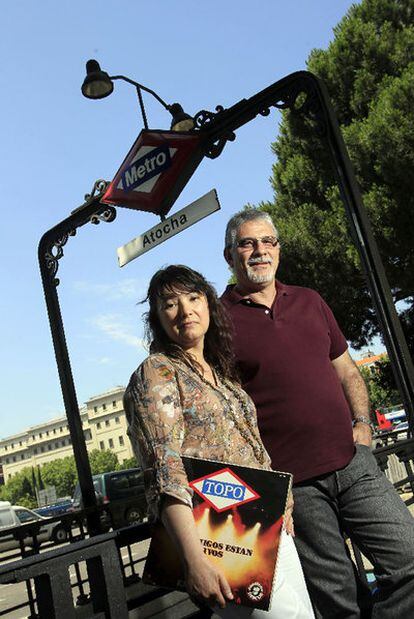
point(155, 171)
point(169, 227)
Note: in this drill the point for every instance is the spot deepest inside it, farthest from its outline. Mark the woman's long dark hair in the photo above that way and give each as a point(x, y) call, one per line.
point(218, 348)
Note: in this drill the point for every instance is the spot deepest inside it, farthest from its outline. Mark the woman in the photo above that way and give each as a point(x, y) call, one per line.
point(184, 399)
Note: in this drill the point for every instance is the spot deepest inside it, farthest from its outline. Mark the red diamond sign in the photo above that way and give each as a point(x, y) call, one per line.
point(155, 171)
point(223, 490)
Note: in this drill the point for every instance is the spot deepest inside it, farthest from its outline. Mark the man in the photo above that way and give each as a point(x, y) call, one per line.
point(313, 413)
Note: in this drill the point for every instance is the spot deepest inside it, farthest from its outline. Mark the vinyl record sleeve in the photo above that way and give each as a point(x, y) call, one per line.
point(238, 513)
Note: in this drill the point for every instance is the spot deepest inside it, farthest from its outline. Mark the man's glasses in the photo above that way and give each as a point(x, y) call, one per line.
point(250, 243)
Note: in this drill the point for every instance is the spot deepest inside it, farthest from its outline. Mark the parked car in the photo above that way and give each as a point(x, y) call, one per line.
point(401, 426)
point(61, 506)
point(12, 516)
point(122, 494)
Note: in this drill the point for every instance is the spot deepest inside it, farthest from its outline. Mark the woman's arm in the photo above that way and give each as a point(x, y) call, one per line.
point(157, 430)
point(203, 580)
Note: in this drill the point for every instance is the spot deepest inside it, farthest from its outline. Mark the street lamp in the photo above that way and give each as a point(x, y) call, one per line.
point(98, 85)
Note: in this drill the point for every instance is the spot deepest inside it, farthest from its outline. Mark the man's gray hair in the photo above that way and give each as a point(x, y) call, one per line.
point(249, 214)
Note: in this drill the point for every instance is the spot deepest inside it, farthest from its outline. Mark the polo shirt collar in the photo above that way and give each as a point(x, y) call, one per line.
point(235, 297)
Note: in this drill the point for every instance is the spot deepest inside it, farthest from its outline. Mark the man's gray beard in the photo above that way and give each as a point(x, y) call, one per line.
point(257, 278)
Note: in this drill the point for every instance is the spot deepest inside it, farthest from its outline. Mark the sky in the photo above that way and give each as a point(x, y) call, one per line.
point(55, 144)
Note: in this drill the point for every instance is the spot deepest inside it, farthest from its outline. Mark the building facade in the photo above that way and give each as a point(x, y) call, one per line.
point(104, 426)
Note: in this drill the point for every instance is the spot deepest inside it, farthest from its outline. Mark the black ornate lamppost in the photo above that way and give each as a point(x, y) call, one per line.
point(302, 93)
point(98, 85)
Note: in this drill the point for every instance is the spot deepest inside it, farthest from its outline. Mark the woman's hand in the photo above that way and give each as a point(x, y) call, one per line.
point(206, 583)
point(288, 520)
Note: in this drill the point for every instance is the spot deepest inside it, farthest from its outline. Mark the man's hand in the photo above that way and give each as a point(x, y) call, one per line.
point(362, 434)
point(206, 583)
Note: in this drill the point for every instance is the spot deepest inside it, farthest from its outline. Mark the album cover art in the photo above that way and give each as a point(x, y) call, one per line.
point(238, 513)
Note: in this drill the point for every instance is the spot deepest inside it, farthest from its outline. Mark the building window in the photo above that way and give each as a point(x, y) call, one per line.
point(104, 407)
point(98, 425)
point(11, 446)
point(114, 404)
point(121, 441)
point(54, 430)
point(57, 445)
point(107, 422)
point(22, 457)
point(14, 458)
point(42, 448)
point(5, 448)
point(102, 445)
point(20, 443)
point(49, 447)
point(95, 409)
point(111, 443)
point(35, 451)
point(61, 428)
point(33, 437)
point(117, 420)
point(47, 432)
point(40, 435)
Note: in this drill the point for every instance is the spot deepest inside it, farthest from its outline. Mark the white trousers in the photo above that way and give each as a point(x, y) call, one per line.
point(290, 598)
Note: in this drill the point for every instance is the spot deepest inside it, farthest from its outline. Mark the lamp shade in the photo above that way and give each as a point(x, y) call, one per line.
point(180, 120)
point(97, 83)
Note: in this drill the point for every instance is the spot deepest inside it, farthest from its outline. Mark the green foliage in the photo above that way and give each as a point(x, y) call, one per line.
point(39, 482)
point(19, 490)
point(369, 72)
point(102, 461)
point(60, 473)
point(381, 384)
point(129, 463)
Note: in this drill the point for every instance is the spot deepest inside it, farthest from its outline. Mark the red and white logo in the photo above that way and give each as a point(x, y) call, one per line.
point(223, 490)
point(155, 171)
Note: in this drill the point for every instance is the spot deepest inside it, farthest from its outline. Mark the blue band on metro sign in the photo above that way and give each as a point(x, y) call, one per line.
point(145, 168)
point(156, 169)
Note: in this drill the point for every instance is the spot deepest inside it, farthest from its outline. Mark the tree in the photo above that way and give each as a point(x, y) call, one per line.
point(129, 463)
point(62, 474)
point(102, 461)
point(18, 490)
point(381, 385)
point(369, 72)
point(40, 483)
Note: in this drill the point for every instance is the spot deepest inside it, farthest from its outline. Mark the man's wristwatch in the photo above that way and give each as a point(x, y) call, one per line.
point(363, 419)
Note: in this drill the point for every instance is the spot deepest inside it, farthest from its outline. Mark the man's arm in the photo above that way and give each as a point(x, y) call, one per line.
point(357, 395)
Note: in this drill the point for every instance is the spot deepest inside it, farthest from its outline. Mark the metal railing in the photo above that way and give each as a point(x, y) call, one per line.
point(60, 583)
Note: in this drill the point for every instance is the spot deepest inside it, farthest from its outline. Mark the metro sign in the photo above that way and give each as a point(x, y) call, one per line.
point(155, 171)
point(223, 490)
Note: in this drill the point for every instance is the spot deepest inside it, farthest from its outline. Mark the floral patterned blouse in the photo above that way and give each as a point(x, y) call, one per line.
point(173, 411)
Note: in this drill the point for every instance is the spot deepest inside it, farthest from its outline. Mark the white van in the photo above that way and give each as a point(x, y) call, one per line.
point(12, 516)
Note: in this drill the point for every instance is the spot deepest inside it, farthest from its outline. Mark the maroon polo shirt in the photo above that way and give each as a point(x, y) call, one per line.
point(284, 357)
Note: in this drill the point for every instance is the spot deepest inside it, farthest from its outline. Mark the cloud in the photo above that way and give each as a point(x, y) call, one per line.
point(115, 328)
point(123, 289)
point(104, 361)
